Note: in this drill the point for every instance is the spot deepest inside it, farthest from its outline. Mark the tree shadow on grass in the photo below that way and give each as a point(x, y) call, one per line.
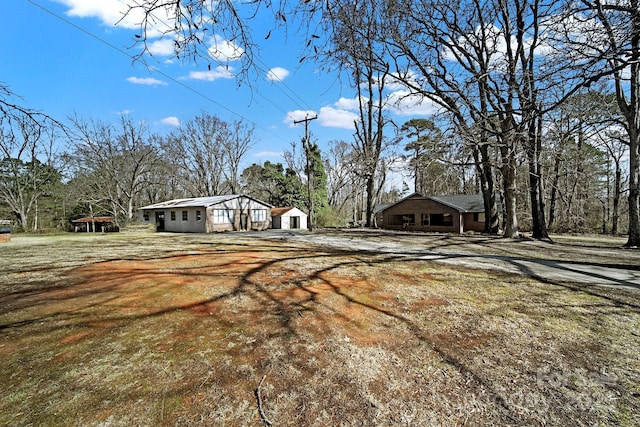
point(99, 296)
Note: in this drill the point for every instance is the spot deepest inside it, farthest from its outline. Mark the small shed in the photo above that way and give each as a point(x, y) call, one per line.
point(5, 230)
point(94, 224)
point(233, 212)
point(289, 218)
point(450, 213)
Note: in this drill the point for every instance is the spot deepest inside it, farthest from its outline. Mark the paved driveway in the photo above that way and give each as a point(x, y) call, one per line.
point(590, 273)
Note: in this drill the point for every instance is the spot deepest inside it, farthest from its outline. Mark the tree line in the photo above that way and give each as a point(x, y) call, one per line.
point(536, 106)
point(113, 169)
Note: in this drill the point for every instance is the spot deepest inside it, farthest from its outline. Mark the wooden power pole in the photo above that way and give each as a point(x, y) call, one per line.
point(307, 152)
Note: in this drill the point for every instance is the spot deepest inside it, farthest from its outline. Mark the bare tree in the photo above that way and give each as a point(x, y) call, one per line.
point(197, 150)
point(207, 153)
point(116, 160)
point(598, 40)
point(453, 53)
point(343, 181)
point(616, 145)
point(355, 49)
point(238, 142)
point(574, 130)
point(27, 169)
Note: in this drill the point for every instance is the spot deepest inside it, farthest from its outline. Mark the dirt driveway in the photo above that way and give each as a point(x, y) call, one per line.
point(568, 260)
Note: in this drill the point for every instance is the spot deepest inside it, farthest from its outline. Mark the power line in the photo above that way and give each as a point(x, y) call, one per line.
point(299, 100)
point(167, 76)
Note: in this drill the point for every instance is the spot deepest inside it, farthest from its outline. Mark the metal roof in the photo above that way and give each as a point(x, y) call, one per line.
point(198, 202)
point(94, 219)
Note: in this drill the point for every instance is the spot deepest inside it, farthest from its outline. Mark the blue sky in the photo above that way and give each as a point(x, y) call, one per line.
point(61, 70)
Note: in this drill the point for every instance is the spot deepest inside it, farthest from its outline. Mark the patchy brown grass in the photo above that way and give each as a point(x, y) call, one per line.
point(179, 330)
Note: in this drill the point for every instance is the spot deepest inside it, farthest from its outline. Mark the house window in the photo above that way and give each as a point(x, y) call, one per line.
point(198, 216)
point(258, 215)
point(442, 220)
point(223, 216)
point(173, 215)
point(146, 215)
point(185, 215)
point(425, 219)
point(403, 219)
point(478, 217)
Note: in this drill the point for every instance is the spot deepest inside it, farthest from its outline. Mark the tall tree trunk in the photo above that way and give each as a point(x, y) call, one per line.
point(416, 171)
point(536, 190)
point(631, 111)
point(616, 199)
point(508, 170)
point(634, 190)
point(485, 174)
point(554, 185)
point(371, 199)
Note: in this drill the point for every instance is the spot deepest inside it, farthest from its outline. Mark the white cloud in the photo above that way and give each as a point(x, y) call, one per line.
point(337, 118)
point(277, 74)
point(112, 12)
point(404, 103)
point(224, 50)
point(171, 121)
point(219, 72)
point(297, 115)
point(124, 112)
point(351, 104)
point(328, 116)
point(149, 81)
point(108, 11)
point(162, 47)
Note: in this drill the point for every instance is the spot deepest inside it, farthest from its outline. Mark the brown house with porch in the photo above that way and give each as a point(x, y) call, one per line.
point(451, 214)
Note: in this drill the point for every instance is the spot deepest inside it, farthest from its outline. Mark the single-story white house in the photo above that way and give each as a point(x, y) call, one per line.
point(232, 212)
point(289, 218)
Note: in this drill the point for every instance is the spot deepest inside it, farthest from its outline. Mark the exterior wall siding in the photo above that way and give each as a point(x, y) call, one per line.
point(191, 225)
point(242, 216)
point(471, 225)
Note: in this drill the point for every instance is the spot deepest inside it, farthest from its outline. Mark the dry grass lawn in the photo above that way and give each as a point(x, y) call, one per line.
point(161, 329)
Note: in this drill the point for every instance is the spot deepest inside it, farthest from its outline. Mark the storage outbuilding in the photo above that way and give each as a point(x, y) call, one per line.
point(289, 218)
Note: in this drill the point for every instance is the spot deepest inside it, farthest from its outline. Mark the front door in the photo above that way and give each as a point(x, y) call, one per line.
point(295, 222)
point(160, 221)
point(243, 221)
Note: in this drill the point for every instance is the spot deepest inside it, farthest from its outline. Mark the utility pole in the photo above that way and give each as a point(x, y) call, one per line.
point(307, 152)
